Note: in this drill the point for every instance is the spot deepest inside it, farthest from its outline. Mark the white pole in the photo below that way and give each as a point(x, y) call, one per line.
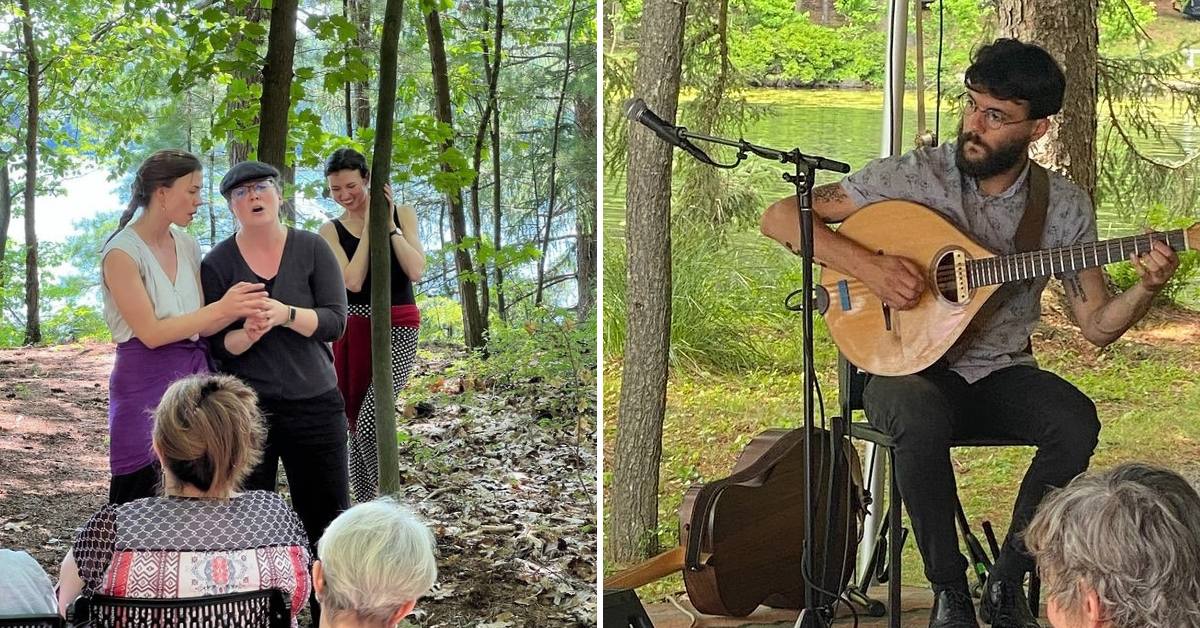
point(893, 127)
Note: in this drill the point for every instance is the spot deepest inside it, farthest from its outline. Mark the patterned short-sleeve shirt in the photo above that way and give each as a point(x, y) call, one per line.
point(930, 177)
point(178, 547)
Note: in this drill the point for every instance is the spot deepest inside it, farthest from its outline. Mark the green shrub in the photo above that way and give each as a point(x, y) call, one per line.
point(727, 310)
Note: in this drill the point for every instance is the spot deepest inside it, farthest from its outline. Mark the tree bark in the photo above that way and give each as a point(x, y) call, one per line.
point(238, 150)
point(5, 211)
point(348, 104)
point(362, 94)
point(491, 70)
point(381, 255)
point(33, 327)
point(585, 215)
point(562, 96)
point(277, 88)
point(648, 237)
point(1070, 32)
point(501, 306)
point(474, 325)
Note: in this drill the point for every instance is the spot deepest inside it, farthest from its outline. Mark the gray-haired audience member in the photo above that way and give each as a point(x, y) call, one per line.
point(1120, 549)
point(25, 588)
point(374, 561)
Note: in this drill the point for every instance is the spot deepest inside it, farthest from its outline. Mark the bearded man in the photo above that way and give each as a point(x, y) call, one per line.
point(988, 384)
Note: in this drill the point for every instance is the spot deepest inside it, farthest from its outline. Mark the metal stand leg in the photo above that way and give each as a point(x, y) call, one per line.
point(895, 541)
point(868, 548)
point(871, 525)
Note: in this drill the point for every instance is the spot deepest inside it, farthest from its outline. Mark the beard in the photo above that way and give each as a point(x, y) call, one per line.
point(994, 161)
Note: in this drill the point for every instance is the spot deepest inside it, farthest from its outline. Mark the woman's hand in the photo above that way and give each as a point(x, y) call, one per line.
point(257, 326)
point(276, 313)
point(243, 300)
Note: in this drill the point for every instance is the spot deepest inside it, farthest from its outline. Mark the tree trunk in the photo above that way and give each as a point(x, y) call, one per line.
point(361, 10)
point(33, 327)
point(648, 236)
point(5, 211)
point(276, 94)
point(212, 212)
point(491, 70)
point(474, 326)
point(238, 150)
point(501, 306)
point(585, 216)
point(348, 103)
point(562, 96)
point(381, 255)
point(1070, 32)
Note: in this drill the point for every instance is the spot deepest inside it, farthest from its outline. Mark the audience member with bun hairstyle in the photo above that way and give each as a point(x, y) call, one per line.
point(374, 562)
point(203, 536)
point(155, 310)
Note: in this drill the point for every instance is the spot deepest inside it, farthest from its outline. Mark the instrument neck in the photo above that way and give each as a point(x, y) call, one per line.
point(1019, 266)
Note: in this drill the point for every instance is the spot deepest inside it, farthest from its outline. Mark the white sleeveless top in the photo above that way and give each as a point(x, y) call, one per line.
point(169, 299)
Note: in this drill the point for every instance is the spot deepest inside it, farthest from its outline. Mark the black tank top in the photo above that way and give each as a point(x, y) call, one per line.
point(402, 290)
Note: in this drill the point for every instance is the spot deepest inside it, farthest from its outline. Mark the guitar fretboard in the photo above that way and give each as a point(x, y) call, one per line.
point(1018, 266)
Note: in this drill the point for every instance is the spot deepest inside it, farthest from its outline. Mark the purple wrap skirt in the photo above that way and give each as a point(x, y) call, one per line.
point(139, 378)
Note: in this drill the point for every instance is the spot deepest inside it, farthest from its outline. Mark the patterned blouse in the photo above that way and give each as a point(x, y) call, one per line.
point(177, 547)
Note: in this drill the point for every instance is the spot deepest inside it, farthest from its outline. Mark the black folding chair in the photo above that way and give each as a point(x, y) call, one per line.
point(252, 609)
point(851, 382)
point(49, 620)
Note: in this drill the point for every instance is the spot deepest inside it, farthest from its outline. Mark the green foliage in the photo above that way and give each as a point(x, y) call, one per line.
point(726, 294)
point(1123, 20)
point(799, 52)
point(551, 345)
point(441, 319)
point(69, 305)
point(550, 351)
point(1184, 282)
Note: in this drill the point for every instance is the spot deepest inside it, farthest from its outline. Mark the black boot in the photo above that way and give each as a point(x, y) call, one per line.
point(952, 609)
point(1004, 605)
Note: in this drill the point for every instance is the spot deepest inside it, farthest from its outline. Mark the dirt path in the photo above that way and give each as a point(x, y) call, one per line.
point(507, 484)
point(53, 445)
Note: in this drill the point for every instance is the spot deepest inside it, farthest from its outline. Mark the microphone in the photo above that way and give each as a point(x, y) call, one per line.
point(637, 111)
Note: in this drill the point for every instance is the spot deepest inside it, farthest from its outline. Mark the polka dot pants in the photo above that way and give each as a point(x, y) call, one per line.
point(364, 455)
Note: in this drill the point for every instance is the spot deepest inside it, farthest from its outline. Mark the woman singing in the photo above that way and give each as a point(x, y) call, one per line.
point(156, 313)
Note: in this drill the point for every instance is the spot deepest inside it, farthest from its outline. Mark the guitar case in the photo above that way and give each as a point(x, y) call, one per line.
point(743, 536)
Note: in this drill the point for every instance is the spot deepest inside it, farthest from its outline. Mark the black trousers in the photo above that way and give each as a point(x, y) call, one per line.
point(309, 436)
point(924, 412)
point(145, 482)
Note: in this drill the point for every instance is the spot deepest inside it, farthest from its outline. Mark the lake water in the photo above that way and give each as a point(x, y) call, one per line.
point(847, 126)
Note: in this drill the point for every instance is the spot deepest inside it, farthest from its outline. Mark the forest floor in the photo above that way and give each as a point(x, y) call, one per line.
point(506, 480)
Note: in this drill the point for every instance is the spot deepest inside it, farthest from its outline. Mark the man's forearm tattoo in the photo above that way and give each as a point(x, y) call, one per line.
point(1075, 287)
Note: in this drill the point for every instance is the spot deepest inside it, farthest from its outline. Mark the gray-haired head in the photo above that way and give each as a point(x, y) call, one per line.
point(1128, 536)
point(375, 558)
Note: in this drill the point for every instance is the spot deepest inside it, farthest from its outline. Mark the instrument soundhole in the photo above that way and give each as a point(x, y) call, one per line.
point(945, 280)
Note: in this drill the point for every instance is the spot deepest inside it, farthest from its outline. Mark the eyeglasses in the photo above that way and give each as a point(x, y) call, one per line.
point(993, 119)
point(258, 188)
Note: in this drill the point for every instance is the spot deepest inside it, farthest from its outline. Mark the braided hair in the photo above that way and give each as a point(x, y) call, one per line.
point(159, 170)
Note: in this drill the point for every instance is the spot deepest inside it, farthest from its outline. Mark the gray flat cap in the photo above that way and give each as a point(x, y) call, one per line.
point(246, 171)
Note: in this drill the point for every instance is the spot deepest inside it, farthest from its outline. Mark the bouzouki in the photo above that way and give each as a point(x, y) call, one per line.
point(960, 277)
point(742, 537)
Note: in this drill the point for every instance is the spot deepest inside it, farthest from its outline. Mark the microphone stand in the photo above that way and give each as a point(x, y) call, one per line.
point(802, 178)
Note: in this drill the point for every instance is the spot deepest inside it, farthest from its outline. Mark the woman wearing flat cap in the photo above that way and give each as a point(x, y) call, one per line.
point(283, 354)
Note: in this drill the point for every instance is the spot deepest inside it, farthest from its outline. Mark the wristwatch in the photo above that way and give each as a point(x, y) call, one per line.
point(291, 316)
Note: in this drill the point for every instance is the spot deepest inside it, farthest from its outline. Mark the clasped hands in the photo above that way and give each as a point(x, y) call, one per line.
point(251, 303)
